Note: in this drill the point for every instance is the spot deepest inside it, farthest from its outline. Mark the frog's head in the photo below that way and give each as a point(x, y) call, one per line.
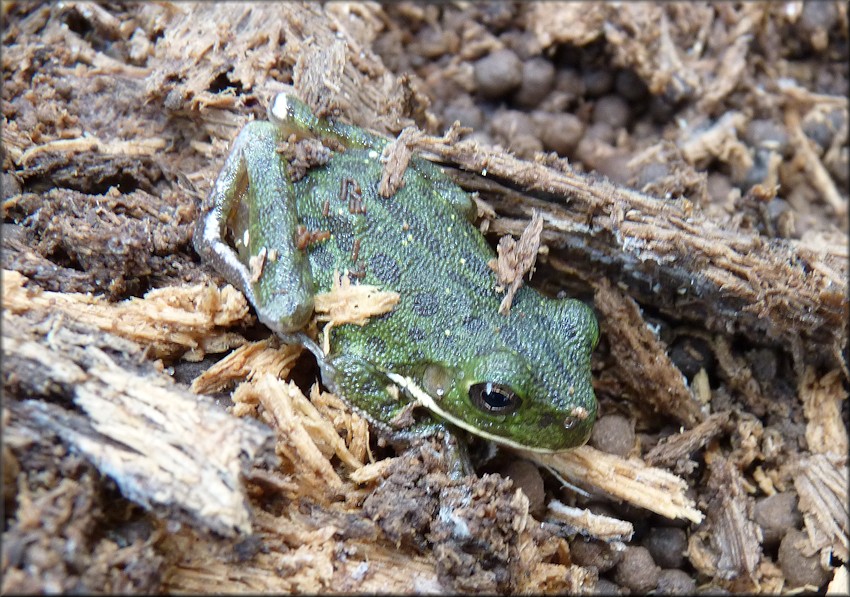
point(534, 393)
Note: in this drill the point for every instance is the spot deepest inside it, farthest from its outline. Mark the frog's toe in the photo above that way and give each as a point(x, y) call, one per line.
point(292, 116)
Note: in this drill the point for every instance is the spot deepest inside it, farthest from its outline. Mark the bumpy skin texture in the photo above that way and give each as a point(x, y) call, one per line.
point(445, 335)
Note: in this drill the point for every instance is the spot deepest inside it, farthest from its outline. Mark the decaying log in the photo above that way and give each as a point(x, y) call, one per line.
point(165, 448)
point(666, 251)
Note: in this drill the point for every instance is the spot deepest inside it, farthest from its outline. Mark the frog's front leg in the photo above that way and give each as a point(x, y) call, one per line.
point(390, 407)
point(252, 206)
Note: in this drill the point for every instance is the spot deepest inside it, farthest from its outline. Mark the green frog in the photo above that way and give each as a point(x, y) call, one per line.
point(444, 355)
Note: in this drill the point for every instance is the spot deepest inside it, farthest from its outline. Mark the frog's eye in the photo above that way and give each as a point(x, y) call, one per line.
point(494, 398)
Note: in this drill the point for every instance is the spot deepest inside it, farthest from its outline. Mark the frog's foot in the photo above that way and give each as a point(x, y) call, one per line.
point(456, 455)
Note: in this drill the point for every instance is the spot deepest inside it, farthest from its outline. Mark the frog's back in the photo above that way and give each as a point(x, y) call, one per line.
point(418, 244)
point(415, 243)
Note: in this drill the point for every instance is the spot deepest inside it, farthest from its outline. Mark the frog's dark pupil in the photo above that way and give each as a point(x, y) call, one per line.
point(494, 398)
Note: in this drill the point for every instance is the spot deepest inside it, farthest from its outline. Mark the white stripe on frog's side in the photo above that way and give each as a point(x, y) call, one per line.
point(428, 402)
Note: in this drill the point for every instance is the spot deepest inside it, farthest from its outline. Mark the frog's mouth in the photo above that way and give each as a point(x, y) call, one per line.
point(428, 402)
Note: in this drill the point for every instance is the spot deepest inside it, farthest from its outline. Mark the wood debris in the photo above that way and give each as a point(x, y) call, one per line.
point(396, 156)
point(479, 528)
point(162, 446)
point(718, 142)
point(299, 554)
point(589, 524)
point(516, 258)
point(674, 451)
point(739, 375)
point(351, 427)
point(814, 166)
point(177, 321)
point(305, 438)
point(627, 479)
point(727, 545)
point(821, 481)
point(60, 505)
point(643, 364)
point(351, 303)
point(248, 362)
point(840, 581)
point(136, 147)
point(822, 398)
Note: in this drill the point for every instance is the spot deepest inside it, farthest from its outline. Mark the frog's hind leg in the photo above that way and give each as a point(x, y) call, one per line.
point(293, 117)
point(252, 205)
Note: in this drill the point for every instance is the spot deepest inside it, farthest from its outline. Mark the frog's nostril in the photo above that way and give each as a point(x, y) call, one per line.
point(577, 414)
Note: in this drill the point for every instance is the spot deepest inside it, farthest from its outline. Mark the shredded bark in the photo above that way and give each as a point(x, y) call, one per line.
point(727, 544)
point(248, 362)
point(675, 451)
point(169, 321)
point(163, 447)
point(515, 259)
point(305, 439)
point(641, 357)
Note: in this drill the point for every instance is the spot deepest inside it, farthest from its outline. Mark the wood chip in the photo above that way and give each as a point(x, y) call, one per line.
point(821, 481)
point(674, 451)
point(396, 156)
point(822, 398)
point(351, 303)
point(248, 362)
point(589, 524)
point(372, 472)
point(630, 480)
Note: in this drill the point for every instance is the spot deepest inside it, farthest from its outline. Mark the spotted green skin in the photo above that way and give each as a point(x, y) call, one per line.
point(445, 333)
